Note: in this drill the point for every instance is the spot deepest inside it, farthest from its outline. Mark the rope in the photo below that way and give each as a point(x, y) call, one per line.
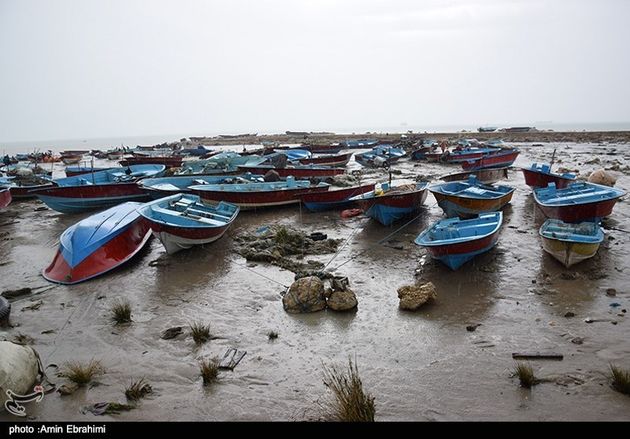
point(260, 274)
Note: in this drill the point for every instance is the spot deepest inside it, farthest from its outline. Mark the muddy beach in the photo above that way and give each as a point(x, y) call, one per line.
point(422, 365)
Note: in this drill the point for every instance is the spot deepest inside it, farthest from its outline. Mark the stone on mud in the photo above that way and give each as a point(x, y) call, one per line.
point(413, 297)
point(602, 177)
point(342, 300)
point(305, 295)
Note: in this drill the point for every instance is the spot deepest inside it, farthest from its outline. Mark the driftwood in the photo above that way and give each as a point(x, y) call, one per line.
point(231, 358)
point(537, 356)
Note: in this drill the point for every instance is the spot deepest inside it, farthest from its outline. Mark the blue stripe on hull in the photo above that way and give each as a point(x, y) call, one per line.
point(320, 207)
point(78, 205)
point(452, 210)
point(386, 215)
point(456, 261)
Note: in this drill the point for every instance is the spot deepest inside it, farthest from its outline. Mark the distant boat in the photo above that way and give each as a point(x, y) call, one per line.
point(577, 202)
point(421, 152)
point(117, 155)
point(98, 244)
point(21, 188)
point(500, 159)
point(258, 195)
point(487, 129)
point(182, 221)
point(198, 151)
point(537, 176)
point(461, 154)
point(571, 243)
point(168, 161)
point(485, 176)
point(297, 171)
point(379, 156)
point(71, 159)
point(97, 190)
point(455, 241)
point(333, 199)
point(165, 186)
point(73, 171)
point(360, 143)
point(389, 203)
point(519, 129)
point(5, 197)
point(328, 160)
point(323, 149)
point(471, 197)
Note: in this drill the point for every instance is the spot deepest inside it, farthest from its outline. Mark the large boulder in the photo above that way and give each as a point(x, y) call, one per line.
point(19, 369)
point(305, 295)
point(602, 177)
point(413, 297)
point(342, 300)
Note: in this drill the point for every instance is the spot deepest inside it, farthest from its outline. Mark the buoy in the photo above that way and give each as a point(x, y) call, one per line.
point(349, 213)
point(19, 368)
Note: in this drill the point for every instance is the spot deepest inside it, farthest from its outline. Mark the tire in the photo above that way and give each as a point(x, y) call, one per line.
point(5, 310)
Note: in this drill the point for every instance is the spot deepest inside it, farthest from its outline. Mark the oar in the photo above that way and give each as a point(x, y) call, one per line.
point(553, 156)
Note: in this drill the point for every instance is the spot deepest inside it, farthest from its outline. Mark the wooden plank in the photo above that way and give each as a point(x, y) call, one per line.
point(537, 356)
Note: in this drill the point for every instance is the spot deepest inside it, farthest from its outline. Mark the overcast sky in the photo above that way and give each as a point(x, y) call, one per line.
point(79, 69)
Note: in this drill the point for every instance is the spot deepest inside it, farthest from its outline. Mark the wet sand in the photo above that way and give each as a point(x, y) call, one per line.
point(420, 365)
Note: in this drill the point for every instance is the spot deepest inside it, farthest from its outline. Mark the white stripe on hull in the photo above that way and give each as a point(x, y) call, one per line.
point(173, 243)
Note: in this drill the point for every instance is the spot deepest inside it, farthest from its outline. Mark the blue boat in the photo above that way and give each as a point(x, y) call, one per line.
point(391, 202)
point(294, 154)
point(182, 220)
point(221, 163)
point(72, 171)
point(199, 150)
point(470, 197)
point(165, 186)
point(377, 157)
point(335, 199)
point(455, 241)
point(98, 190)
point(571, 243)
point(98, 244)
point(359, 143)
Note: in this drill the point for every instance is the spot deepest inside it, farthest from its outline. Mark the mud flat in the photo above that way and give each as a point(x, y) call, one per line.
point(422, 365)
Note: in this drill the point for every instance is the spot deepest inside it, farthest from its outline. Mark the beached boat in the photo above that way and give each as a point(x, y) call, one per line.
point(97, 190)
point(198, 151)
point(421, 152)
point(471, 197)
point(461, 154)
point(164, 186)
point(258, 195)
point(487, 129)
point(115, 156)
point(388, 203)
point(379, 156)
point(168, 161)
point(73, 171)
point(455, 241)
point(571, 243)
point(333, 199)
point(71, 159)
point(500, 159)
point(328, 160)
point(323, 149)
point(297, 171)
point(182, 221)
point(540, 175)
point(294, 154)
point(21, 187)
point(485, 176)
point(577, 202)
point(5, 197)
point(98, 244)
point(359, 143)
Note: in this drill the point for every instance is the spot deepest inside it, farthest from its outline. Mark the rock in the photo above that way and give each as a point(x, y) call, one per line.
point(170, 333)
point(68, 388)
point(342, 300)
point(602, 177)
point(305, 295)
point(339, 283)
point(472, 328)
point(413, 297)
point(569, 314)
point(577, 340)
point(328, 292)
point(611, 292)
point(271, 176)
point(10, 294)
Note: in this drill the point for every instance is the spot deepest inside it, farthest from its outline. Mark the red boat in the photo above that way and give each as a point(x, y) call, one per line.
point(299, 172)
point(335, 199)
point(323, 149)
point(540, 176)
point(169, 162)
point(5, 197)
point(328, 160)
point(388, 204)
point(499, 160)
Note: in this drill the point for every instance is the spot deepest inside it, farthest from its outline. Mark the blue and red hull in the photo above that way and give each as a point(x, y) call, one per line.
point(386, 209)
point(456, 255)
point(76, 199)
point(330, 200)
point(5, 198)
point(498, 160)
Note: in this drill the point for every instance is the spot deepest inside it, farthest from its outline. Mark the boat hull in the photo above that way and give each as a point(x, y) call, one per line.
point(5, 198)
point(330, 200)
point(255, 200)
point(386, 209)
point(485, 176)
point(580, 212)
point(24, 192)
point(169, 162)
point(335, 160)
point(498, 160)
point(463, 207)
point(75, 199)
point(298, 173)
point(175, 239)
point(539, 179)
point(456, 255)
point(569, 253)
point(78, 170)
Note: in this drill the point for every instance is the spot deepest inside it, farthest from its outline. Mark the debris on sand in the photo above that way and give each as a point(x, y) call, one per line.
point(120, 312)
point(34, 306)
point(231, 358)
point(413, 297)
point(305, 295)
point(67, 388)
point(171, 333)
point(342, 300)
point(272, 335)
point(81, 373)
point(200, 333)
point(11, 294)
point(602, 177)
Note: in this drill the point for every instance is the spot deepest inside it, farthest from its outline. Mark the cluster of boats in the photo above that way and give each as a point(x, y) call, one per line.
point(199, 204)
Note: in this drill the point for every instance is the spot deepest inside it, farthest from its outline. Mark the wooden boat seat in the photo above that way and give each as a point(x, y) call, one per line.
point(193, 211)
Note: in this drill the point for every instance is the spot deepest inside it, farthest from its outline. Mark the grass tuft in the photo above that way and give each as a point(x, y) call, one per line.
point(620, 379)
point(137, 390)
point(525, 375)
point(349, 401)
point(272, 335)
point(200, 333)
point(209, 370)
point(121, 312)
point(82, 373)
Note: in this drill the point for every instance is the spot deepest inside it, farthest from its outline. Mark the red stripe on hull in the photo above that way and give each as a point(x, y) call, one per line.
point(491, 160)
point(337, 195)
point(537, 179)
point(116, 252)
point(5, 198)
point(580, 212)
point(24, 191)
point(169, 162)
point(463, 247)
point(337, 160)
point(295, 172)
point(404, 200)
point(258, 199)
point(200, 233)
point(93, 191)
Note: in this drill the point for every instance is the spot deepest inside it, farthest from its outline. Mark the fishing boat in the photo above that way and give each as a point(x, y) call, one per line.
point(182, 221)
point(297, 171)
point(577, 202)
point(115, 156)
point(97, 190)
point(323, 149)
point(471, 197)
point(421, 152)
point(168, 161)
point(540, 175)
point(258, 195)
point(198, 151)
point(98, 244)
point(294, 154)
point(485, 176)
point(461, 154)
point(500, 159)
point(164, 186)
point(5, 197)
point(455, 241)
point(571, 243)
point(379, 156)
point(328, 160)
point(333, 199)
point(21, 187)
point(73, 171)
point(389, 202)
point(71, 159)
point(359, 143)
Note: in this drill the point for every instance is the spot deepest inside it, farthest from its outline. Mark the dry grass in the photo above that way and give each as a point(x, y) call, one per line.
point(349, 401)
point(200, 333)
point(82, 373)
point(137, 390)
point(121, 312)
point(209, 370)
point(272, 335)
point(525, 375)
point(620, 379)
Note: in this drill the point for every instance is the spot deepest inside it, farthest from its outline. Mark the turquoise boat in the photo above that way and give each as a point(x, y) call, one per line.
point(571, 243)
point(470, 197)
